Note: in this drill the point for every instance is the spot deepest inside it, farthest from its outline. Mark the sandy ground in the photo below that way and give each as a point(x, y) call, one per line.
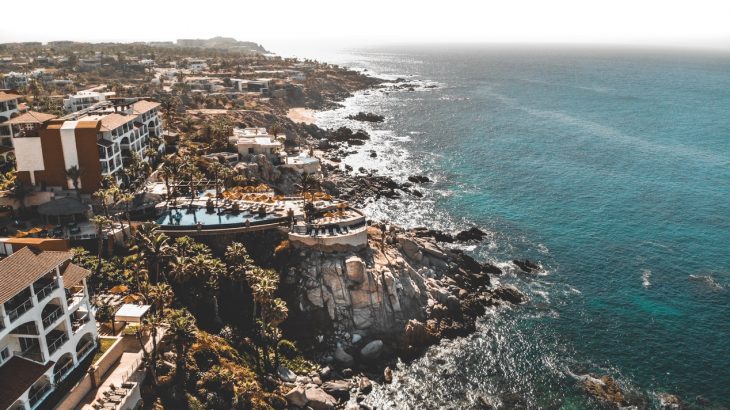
point(304, 115)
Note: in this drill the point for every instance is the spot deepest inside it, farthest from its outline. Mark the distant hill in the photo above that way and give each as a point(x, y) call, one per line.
point(223, 43)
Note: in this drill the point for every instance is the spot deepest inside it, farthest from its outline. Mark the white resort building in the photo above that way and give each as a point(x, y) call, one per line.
point(85, 99)
point(9, 108)
point(256, 141)
point(47, 327)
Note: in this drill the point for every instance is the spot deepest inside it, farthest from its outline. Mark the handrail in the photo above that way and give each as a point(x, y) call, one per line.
point(18, 311)
point(56, 345)
point(39, 395)
point(51, 318)
point(59, 374)
point(46, 290)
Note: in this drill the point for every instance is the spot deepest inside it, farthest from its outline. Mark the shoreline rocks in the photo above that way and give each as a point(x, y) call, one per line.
point(366, 117)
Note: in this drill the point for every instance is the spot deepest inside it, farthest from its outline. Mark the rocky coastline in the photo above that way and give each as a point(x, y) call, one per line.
point(368, 309)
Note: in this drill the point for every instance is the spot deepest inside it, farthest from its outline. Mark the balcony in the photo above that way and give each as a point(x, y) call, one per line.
point(43, 289)
point(18, 311)
point(73, 300)
point(52, 317)
point(78, 320)
point(84, 350)
point(59, 372)
point(56, 339)
point(37, 394)
point(32, 353)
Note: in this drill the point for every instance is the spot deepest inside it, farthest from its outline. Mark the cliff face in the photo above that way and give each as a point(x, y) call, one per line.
point(370, 290)
point(396, 279)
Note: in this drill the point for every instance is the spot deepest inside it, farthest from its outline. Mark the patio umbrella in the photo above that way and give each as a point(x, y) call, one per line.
point(119, 289)
point(21, 234)
point(35, 230)
point(132, 298)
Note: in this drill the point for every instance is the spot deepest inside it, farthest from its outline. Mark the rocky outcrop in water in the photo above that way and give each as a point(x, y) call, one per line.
point(366, 117)
point(398, 296)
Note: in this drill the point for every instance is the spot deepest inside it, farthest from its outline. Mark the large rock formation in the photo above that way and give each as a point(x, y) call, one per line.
point(403, 288)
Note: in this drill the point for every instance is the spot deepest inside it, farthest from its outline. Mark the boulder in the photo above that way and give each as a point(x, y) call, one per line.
point(369, 117)
point(339, 389)
point(526, 266)
point(325, 373)
point(418, 179)
point(355, 268)
point(388, 375)
point(365, 385)
point(604, 388)
point(510, 294)
point(286, 374)
point(343, 357)
point(318, 399)
point(356, 338)
point(410, 248)
point(471, 234)
point(416, 334)
point(669, 402)
point(372, 350)
point(296, 397)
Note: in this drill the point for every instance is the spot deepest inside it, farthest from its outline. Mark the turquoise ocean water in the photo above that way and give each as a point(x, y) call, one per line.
point(612, 169)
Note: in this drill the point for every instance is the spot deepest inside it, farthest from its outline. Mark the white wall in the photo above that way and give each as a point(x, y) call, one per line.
point(28, 155)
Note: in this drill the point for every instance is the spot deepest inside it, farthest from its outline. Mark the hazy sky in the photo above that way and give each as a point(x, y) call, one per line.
point(284, 25)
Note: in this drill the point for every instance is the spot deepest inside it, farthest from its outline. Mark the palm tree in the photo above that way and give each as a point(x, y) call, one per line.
point(169, 172)
point(159, 296)
point(308, 185)
point(105, 312)
point(216, 168)
point(19, 191)
point(190, 167)
point(127, 199)
point(152, 245)
point(273, 313)
point(101, 222)
point(74, 174)
point(182, 333)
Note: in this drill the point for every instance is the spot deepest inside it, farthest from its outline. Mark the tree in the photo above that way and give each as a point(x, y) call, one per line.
point(169, 172)
point(19, 191)
point(126, 199)
point(152, 245)
point(101, 222)
point(307, 186)
point(105, 312)
point(74, 174)
point(182, 334)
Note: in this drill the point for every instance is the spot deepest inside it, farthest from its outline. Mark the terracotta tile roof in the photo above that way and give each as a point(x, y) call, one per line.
point(113, 121)
point(21, 269)
point(31, 117)
point(8, 97)
point(73, 275)
point(142, 106)
point(16, 376)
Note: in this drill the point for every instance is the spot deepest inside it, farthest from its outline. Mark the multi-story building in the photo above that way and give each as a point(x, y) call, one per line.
point(85, 99)
point(47, 326)
point(9, 108)
point(15, 80)
point(97, 140)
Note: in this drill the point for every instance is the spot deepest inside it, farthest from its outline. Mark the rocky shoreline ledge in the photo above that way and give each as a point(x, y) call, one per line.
point(390, 301)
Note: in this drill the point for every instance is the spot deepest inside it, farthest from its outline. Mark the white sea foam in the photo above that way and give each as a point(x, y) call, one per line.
point(645, 276)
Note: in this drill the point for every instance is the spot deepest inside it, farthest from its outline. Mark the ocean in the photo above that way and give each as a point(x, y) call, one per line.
point(609, 167)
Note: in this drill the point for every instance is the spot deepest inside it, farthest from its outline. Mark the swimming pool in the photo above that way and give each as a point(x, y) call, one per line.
point(189, 218)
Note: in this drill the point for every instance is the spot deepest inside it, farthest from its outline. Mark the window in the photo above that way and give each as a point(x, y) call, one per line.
point(250, 150)
point(4, 354)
